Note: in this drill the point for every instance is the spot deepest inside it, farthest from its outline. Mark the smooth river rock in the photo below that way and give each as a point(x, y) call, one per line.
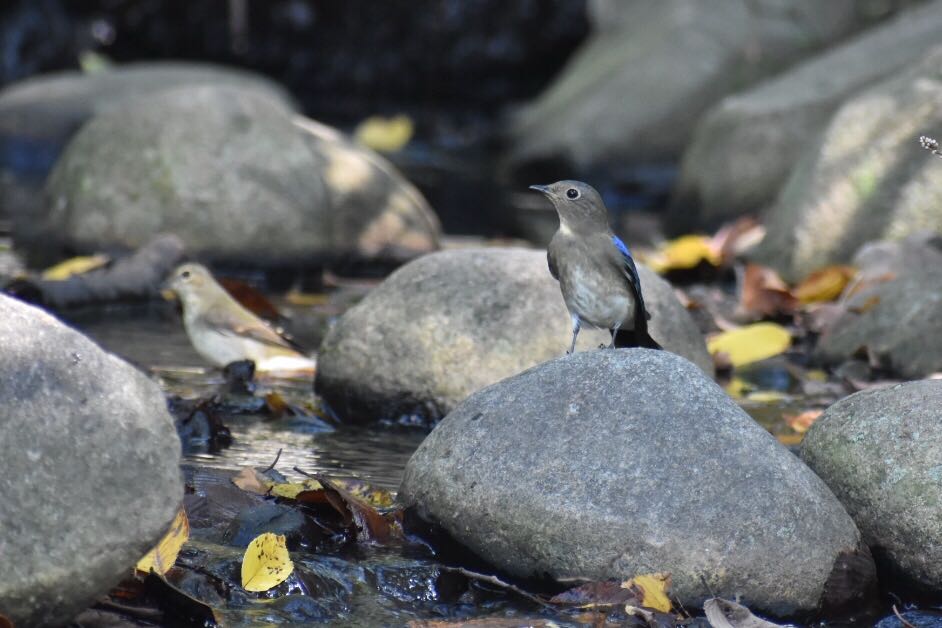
point(238, 177)
point(92, 461)
point(880, 451)
point(615, 463)
point(449, 323)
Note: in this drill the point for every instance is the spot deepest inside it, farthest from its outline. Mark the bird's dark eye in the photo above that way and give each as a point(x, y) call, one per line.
point(572, 193)
point(185, 274)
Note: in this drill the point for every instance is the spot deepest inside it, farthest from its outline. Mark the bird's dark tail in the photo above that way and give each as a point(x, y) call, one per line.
point(635, 338)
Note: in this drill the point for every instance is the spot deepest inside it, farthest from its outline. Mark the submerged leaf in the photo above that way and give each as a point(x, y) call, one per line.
point(74, 266)
point(751, 343)
point(162, 557)
point(652, 590)
point(266, 563)
point(824, 285)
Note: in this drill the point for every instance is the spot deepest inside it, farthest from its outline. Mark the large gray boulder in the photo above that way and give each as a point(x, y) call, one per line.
point(634, 91)
point(39, 115)
point(92, 460)
point(610, 464)
point(745, 147)
point(880, 451)
point(866, 179)
point(237, 177)
point(450, 323)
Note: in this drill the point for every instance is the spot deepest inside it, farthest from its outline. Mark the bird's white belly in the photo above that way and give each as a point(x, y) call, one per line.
point(597, 304)
point(220, 349)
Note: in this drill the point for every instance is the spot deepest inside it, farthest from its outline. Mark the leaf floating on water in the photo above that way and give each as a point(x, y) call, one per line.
point(651, 590)
point(162, 557)
point(824, 285)
point(683, 253)
point(386, 135)
point(725, 614)
point(802, 422)
point(75, 266)
point(266, 563)
point(751, 343)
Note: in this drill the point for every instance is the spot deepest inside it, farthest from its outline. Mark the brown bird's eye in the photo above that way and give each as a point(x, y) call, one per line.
point(572, 193)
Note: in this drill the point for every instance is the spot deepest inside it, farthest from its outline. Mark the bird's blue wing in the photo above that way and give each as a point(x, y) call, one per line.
point(631, 271)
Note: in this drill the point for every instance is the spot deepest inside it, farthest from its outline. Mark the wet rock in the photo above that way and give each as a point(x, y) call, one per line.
point(38, 116)
point(634, 91)
point(880, 452)
point(867, 179)
point(274, 518)
point(642, 464)
point(450, 323)
point(237, 177)
point(93, 464)
point(744, 149)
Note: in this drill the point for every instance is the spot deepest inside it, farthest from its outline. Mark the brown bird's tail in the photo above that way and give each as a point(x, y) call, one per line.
point(635, 338)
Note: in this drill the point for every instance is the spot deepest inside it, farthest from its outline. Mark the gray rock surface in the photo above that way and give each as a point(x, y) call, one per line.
point(867, 178)
point(452, 322)
point(235, 176)
point(39, 115)
point(634, 91)
point(610, 464)
point(880, 452)
point(92, 462)
point(745, 147)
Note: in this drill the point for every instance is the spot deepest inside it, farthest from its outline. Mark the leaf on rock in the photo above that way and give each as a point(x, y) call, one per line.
point(735, 238)
point(266, 563)
point(683, 253)
point(162, 557)
point(248, 479)
point(370, 525)
point(725, 614)
point(291, 490)
point(802, 422)
point(764, 293)
point(651, 590)
point(386, 135)
point(751, 343)
point(375, 497)
point(592, 594)
point(824, 285)
point(74, 266)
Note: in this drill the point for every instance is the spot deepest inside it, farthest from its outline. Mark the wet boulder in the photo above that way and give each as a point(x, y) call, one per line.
point(745, 147)
point(93, 475)
point(238, 177)
point(450, 323)
point(866, 179)
point(615, 463)
point(634, 91)
point(880, 451)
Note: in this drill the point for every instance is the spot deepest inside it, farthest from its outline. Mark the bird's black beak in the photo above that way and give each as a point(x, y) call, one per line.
point(545, 189)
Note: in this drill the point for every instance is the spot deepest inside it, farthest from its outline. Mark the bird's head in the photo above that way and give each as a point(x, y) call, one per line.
point(578, 204)
point(190, 282)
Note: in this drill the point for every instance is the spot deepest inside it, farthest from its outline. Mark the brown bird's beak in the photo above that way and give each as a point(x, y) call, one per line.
point(545, 189)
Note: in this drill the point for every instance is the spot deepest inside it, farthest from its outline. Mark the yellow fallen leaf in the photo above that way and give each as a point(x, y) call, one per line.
point(290, 490)
point(162, 557)
point(74, 266)
point(653, 590)
point(683, 253)
point(751, 343)
point(386, 135)
point(266, 563)
point(765, 396)
point(824, 285)
point(306, 299)
point(737, 388)
point(375, 497)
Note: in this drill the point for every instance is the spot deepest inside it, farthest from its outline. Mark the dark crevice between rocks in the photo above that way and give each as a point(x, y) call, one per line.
point(851, 591)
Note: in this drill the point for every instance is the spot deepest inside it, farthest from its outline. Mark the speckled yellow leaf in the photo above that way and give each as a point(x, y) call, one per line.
point(385, 134)
point(290, 490)
point(162, 557)
point(824, 285)
point(751, 343)
point(684, 252)
point(653, 589)
point(266, 563)
point(74, 266)
point(375, 497)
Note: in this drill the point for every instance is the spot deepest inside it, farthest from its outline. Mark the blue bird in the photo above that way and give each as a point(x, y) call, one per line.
point(595, 270)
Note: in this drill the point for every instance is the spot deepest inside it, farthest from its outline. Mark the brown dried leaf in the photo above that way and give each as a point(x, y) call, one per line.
point(735, 238)
point(764, 294)
point(725, 614)
point(248, 479)
point(803, 421)
point(604, 593)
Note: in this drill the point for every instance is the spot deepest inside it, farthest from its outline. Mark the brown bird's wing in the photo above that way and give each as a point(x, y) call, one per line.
point(246, 325)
